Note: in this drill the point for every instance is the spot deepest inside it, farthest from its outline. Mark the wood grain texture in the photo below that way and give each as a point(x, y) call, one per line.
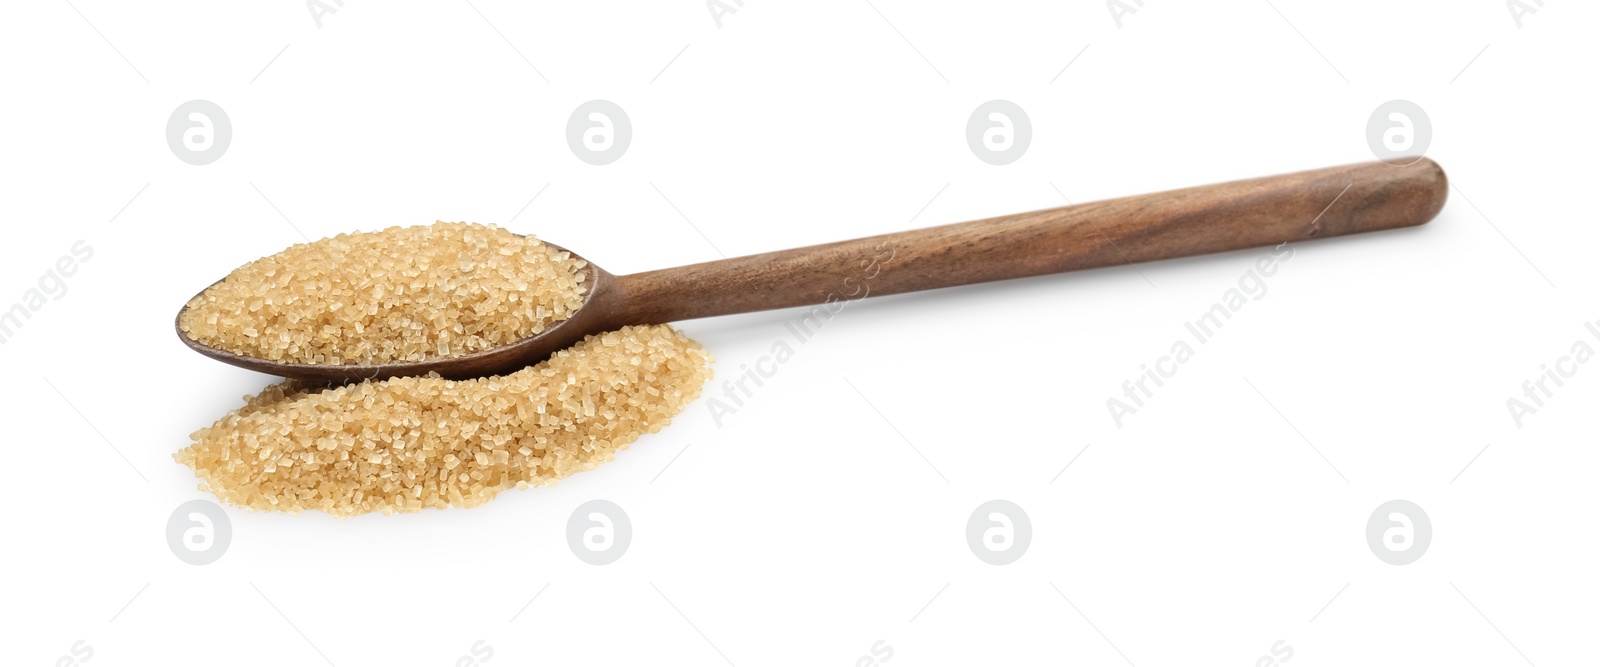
point(1213, 218)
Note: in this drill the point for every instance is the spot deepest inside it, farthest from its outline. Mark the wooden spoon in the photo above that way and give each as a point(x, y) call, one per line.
point(1212, 218)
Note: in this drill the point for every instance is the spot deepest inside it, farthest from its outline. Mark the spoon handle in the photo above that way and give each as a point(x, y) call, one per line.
point(1212, 218)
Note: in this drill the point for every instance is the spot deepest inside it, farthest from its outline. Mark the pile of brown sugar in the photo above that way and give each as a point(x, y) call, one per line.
point(404, 444)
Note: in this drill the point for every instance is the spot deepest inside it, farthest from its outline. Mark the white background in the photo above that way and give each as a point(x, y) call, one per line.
point(805, 528)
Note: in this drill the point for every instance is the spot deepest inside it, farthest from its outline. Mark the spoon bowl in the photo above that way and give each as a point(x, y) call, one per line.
point(505, 358)
point(1269, 211)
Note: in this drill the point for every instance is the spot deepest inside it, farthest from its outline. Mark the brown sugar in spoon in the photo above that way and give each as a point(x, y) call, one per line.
point(1212, 218)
